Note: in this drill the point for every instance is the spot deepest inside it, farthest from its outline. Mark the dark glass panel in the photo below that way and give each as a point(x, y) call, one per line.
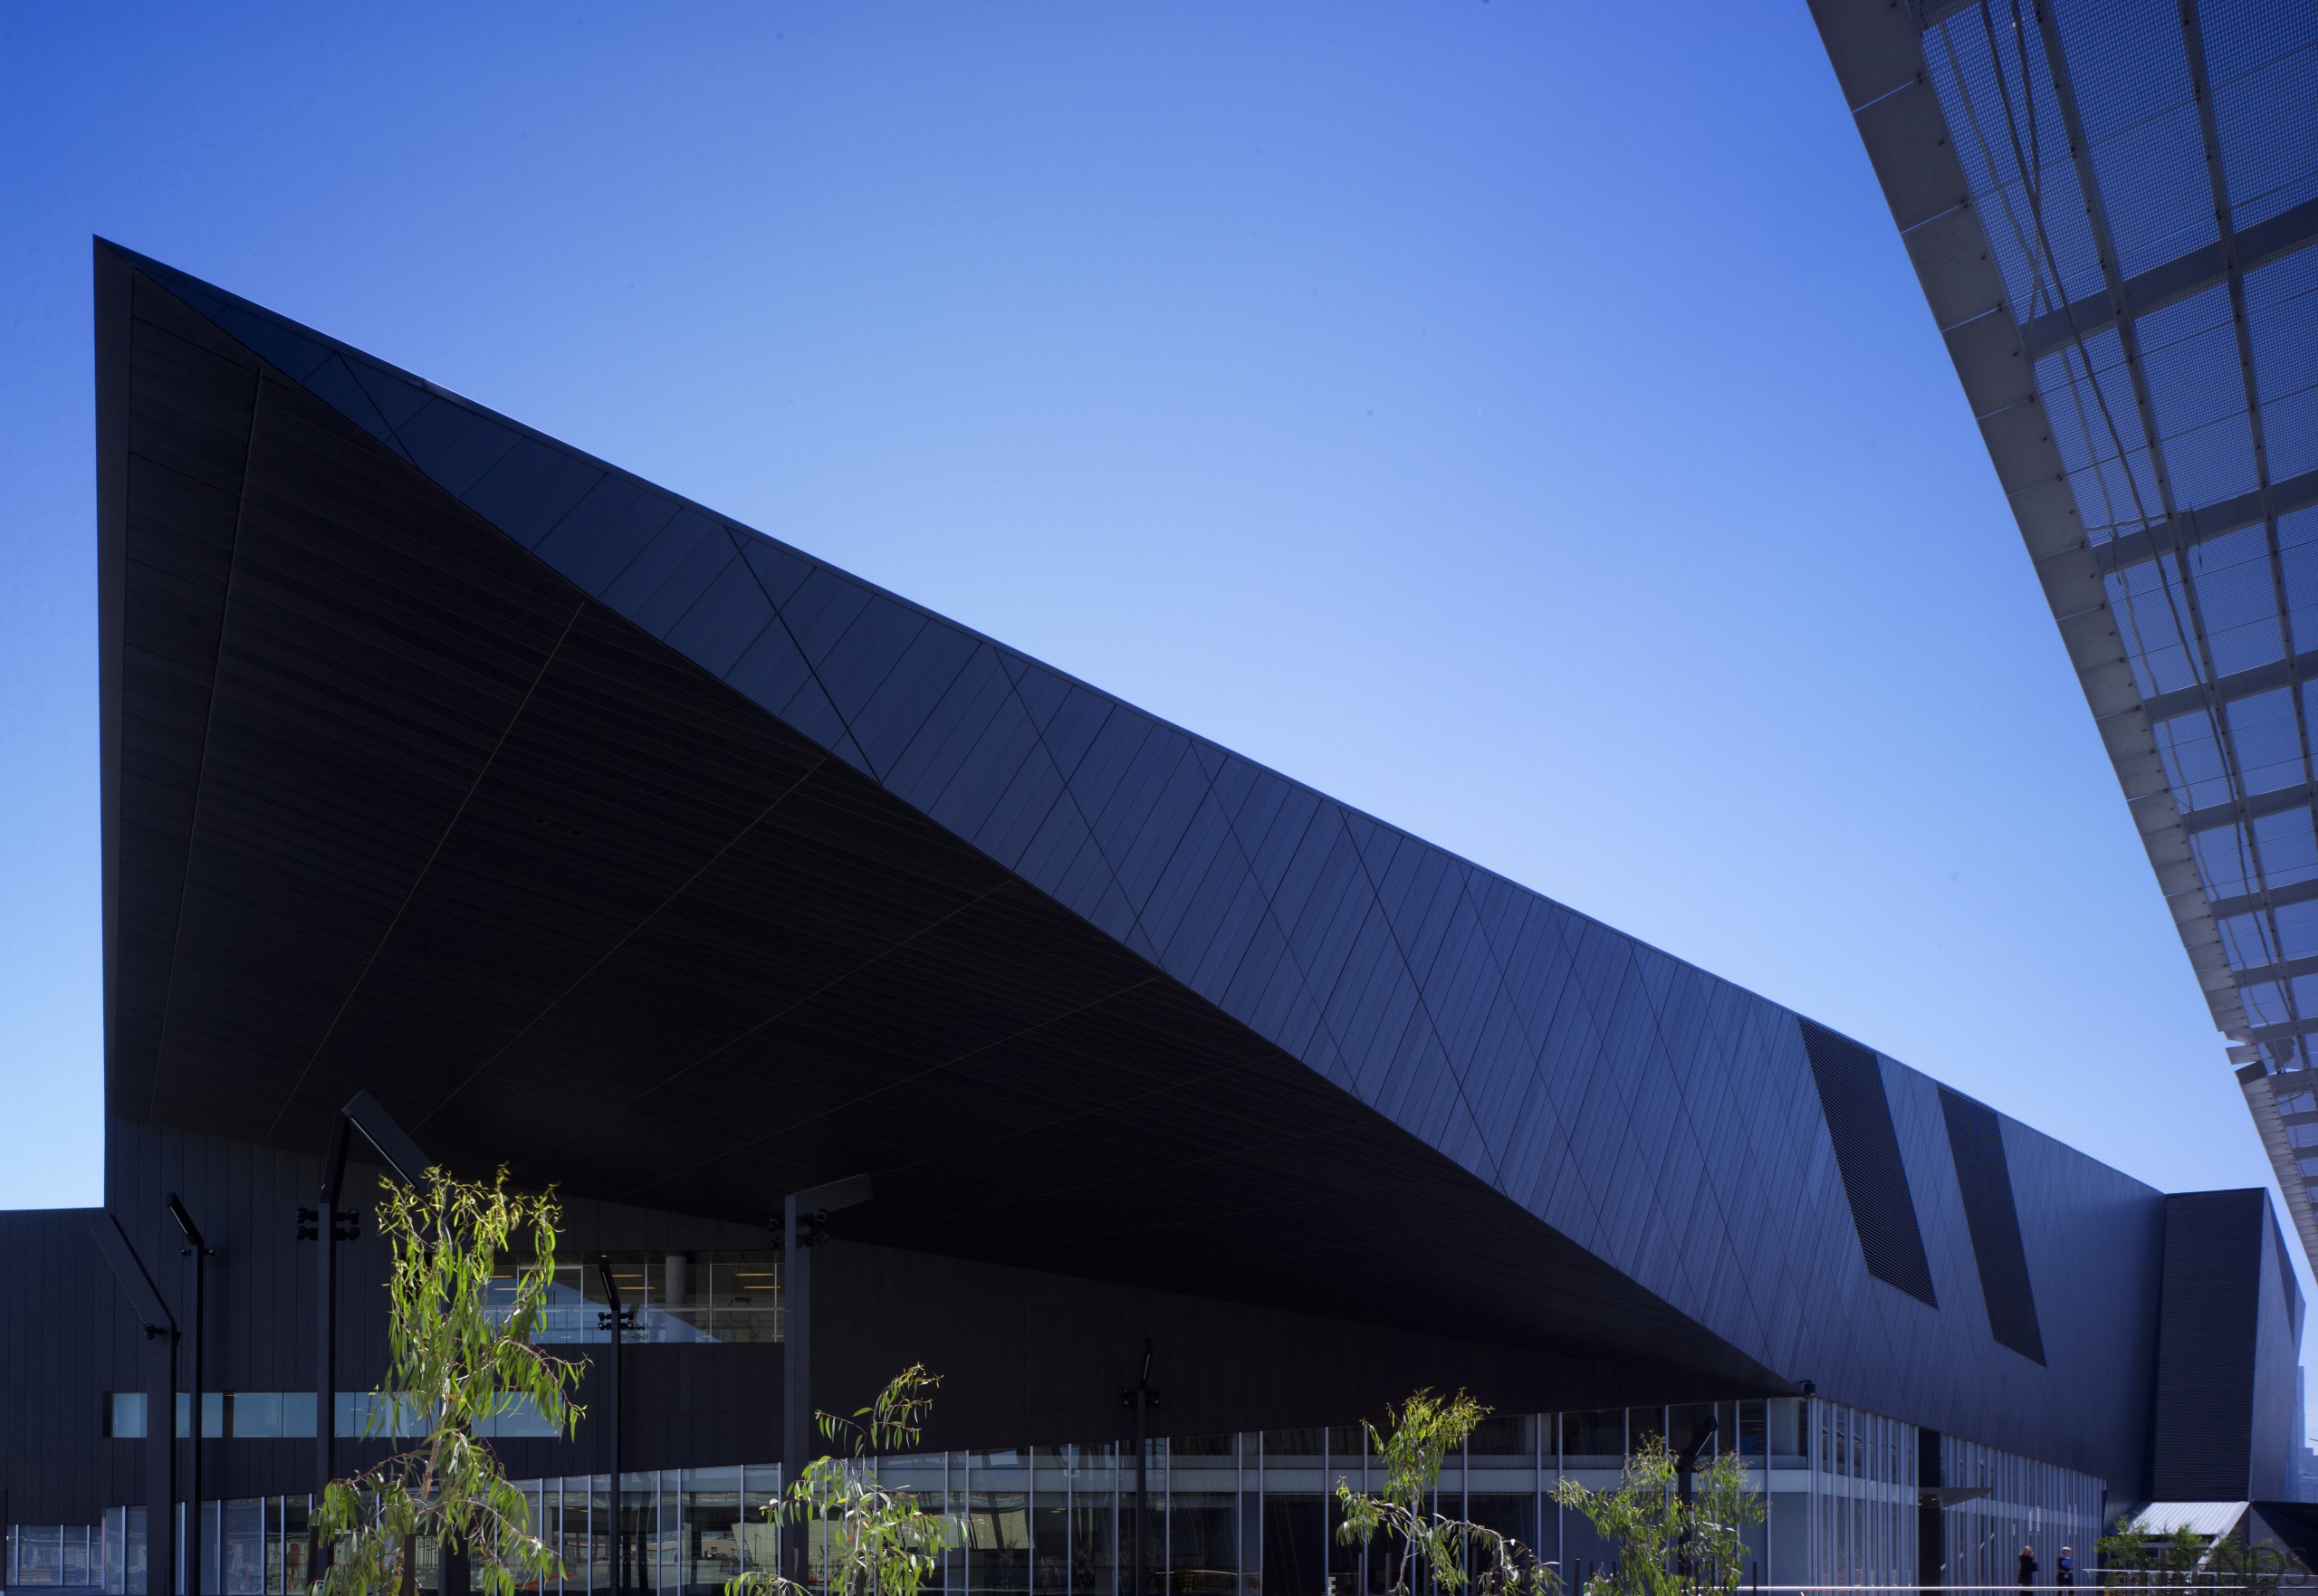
point(298, 1415)
point(1383, 1562)
point(245, 1551)
point(602, 1542)
point(668, 1534)
point(711, 1529)
point(1094, 1568)
point(273, 1546)
point(1593, 1440)
point(1344, 1557)
point(1299, 1445)
point(638, 1532)
point(1203, 1558)
point(1294, 1549)
point(255, 1414)
point(124, 1415)
point(998, 1542)
point(1503, 1440)
point(1790, 1429)
point(1688, 1425)
point(1049, 1541)
point(294, 1537)
point(1511, 1514)
point(759, 1534)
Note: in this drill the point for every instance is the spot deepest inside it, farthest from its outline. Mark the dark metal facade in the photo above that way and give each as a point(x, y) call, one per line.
point(2227, 1429)
point(600, 835)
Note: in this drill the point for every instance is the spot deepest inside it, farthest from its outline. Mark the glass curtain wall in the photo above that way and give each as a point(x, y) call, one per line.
point(1249, 1515)
point(722, 1295)
point(2028, 1504)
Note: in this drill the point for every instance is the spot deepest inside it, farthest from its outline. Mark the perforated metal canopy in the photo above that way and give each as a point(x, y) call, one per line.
point(2113, 206)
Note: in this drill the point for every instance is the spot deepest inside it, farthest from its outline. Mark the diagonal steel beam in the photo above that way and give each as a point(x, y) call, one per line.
point(2176, 280)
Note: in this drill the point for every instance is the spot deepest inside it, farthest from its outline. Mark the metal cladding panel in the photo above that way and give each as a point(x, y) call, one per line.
point(1867, 1152)
point(2209, 1334)
point(1625, 1105)
point(2278, 1429)
point(1984, 1176)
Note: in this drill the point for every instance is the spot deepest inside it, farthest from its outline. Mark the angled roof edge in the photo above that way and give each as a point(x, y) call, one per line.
point(1371, 956)
point(210, 300)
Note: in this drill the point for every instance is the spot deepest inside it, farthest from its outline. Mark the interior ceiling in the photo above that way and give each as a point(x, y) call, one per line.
point(391, 805)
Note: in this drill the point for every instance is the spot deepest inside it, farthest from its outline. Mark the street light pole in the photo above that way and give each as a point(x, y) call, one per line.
point(154, 1318)
point(615, 1319)
point(198, 1251)
point(329, 1227)
point(1143, 1397)
point(804, 1225)
point(1684, 1468)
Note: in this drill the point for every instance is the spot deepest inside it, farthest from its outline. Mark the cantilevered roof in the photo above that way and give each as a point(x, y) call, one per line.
point(599, 833)
point(2113, 206)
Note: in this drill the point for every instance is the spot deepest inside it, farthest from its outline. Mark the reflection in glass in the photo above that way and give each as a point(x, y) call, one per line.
point(724, 1295)
point(1094, 1570)
point(1295, 1562)
point(998, 1542)
point(1050, 1526)
point(1233, 1515)
point(1688, 1425)
point(1503, 1440)
point(1344, 1558)
point(1789, 1423)
point(1203, 1551)
point(759, 1535)
point(601, 1550)
point(1506, 1512)
point(1593, 1440)
point(711, 1529)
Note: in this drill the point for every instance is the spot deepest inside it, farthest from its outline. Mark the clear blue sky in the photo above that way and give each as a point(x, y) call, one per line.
point(1517, 419)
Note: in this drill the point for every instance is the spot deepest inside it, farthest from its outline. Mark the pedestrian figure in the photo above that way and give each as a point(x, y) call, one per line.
point(2065, 1571)
point(2028, 1567)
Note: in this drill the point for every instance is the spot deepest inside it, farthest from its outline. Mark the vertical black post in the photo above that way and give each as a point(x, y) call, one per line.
point(795, 1370)
point(161, 1466)
point(154, 1318)
point(363, 1112)
point(197, 1250)
point(804, 1225)
point(326, 1335)
point(1685, 1466)
point(1142, 1398)
point(1142, 1477)
point(616, 1319)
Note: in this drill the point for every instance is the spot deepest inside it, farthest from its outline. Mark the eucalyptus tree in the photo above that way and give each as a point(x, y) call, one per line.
point(460, 1353)
point(1666, 1545)
point(1423, 1544)
point(871, 1538)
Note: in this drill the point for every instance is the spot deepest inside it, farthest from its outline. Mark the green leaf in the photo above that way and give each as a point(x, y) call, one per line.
point(456, 1358)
